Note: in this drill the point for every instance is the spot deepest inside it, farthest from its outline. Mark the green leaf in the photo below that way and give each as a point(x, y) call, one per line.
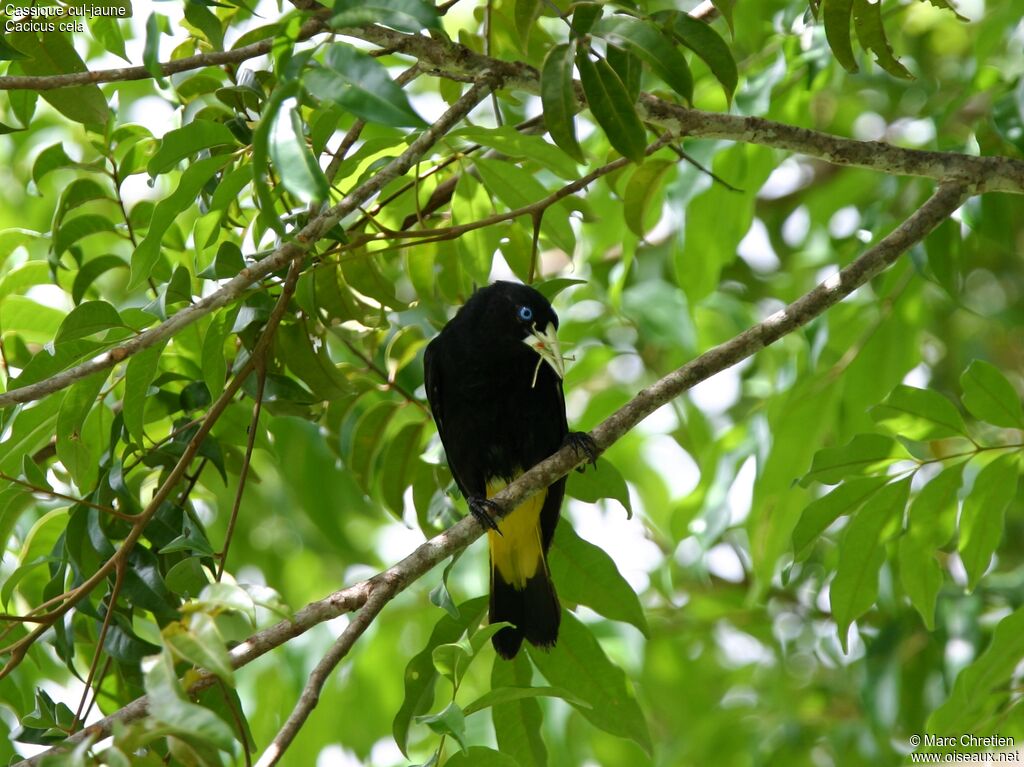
point(498, 695)
point(167, 210)
point(861, 553)
point(558, 98)
point(981, 521)
point(200, 643)
point(586, 575)
point(367, 440)
point(403, 15)
point(578, 664)
point(215, 598)
point(34, 322)
point(511, 142)
point(107, 32)
point(77, 403)
point(628, 67)
point(157, 24)
point(144, 586)
point(215, 366)
point(703, 40)
point(719, 218)
point(601, 481)
point(397, 464)
point(184, 142)
point(819, 515)
point(989, 397)
point(478, 756)
point(644, 187)
point(525, 16)
point(49, 160)
point(612, 108)
point(867, 20)
point(77, 228)
point(476, 247)
point(141, 369)
point(584, 15)
point(32, 429)
point(169, 706)
point(441, 597)
point(984, 687)
point(361, 85)
point(517, 188)
point(944, 247)
point(9, 52)
point(53, 54)
point(228, 262)
point(451, 661)
point(517, 722)
point(645, 40)
point(77, 192)
point(45, 364)
point(199, 16)
point(22, 277)
point(86, 319)
point(919, 414)
point(231, 184)
point(420, 673)
point(313, 367)
point(864, 454)
point(551, 288)
point(725, 7)
point(837, 16)
point(292, 158)
point(931, 518)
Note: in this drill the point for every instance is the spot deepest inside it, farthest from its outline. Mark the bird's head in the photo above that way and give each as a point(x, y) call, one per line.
point(510, 312)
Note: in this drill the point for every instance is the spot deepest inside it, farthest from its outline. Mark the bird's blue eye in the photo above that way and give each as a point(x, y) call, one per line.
point(525, 313)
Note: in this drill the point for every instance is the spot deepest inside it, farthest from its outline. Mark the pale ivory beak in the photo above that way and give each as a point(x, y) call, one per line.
point(545, 343)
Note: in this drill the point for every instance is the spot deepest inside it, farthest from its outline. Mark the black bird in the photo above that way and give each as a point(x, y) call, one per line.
point(499, 410)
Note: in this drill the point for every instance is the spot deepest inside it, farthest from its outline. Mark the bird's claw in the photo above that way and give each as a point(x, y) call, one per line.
point(585, 446)
point(484, 511)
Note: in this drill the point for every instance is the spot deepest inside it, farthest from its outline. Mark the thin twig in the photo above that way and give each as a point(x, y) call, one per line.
point(61, 496)
point(238, 719)
point(398, 577)
point(374, 367)
point(115, 592)
point(261, 372)
point(533, 209)
point(211, 59)
point(318, 677)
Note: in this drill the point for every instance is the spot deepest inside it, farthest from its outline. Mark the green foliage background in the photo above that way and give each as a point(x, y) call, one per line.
point(883, 440)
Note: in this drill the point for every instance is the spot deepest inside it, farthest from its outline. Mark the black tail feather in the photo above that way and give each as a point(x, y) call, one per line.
point(533, 611)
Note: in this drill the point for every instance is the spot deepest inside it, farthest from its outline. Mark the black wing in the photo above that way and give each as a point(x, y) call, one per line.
point(433, 382)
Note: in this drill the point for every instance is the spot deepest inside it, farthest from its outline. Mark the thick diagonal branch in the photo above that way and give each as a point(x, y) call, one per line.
point(376, 591)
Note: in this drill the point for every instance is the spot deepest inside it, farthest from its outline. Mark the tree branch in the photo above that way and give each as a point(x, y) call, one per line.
point(979, 174)
point(308, 236)
point(387, 584)
point(122, 74)
point(318, 678)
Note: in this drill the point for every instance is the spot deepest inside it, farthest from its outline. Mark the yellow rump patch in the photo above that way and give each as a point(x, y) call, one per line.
point(517, 554)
